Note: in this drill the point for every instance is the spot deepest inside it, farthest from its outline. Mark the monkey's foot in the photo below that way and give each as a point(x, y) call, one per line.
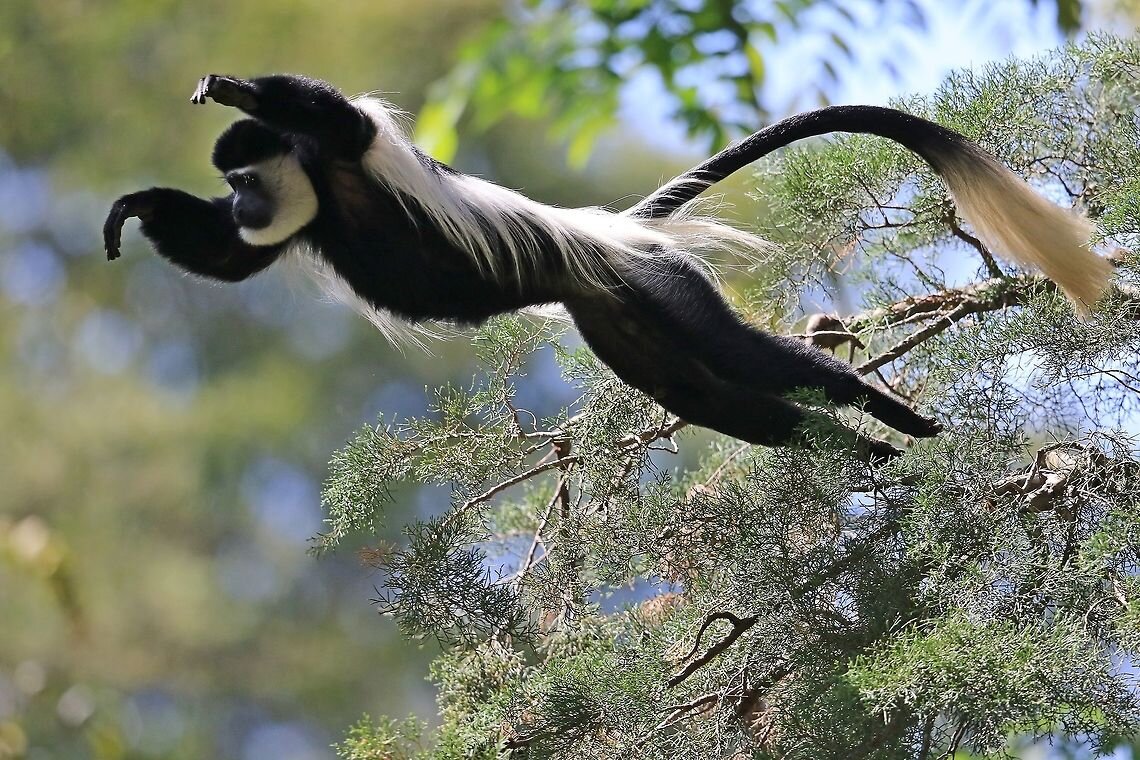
point(931, 427)
point(225, 91)
point(875, 451)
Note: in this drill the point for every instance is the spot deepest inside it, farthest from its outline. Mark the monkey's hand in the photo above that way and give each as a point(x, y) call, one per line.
point(135, 204)
point(226, 91)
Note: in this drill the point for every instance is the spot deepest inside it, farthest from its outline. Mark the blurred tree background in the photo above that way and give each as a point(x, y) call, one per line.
point(164, 441)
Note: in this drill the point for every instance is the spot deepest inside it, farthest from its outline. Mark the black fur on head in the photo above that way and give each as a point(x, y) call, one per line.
point(247, 142)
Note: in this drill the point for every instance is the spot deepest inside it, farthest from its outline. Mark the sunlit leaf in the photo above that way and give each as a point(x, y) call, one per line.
point(755, 63)
point(436, 127)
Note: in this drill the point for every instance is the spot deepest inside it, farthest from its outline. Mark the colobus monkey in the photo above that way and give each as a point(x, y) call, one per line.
point(336, 182)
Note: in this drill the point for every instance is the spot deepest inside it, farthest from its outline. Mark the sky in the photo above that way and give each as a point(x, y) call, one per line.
point(959, 34)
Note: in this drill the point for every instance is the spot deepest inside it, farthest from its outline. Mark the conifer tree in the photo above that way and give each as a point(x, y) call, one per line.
point(596, 599)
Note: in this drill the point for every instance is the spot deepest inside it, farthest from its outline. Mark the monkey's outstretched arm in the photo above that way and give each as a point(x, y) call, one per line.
point(198, 235)
point(294, 104)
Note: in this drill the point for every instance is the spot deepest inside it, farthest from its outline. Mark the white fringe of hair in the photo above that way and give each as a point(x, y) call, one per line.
point(1023, 227)
point(396, 330)
point(296, 200)
point(595, 244)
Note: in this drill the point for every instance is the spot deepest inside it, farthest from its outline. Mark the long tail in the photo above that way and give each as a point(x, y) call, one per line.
point(1009, 217)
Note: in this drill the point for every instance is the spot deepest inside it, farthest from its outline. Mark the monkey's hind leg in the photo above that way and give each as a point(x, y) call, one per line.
point(847, 388)
point(652, 354)
point(783, 365)
point(686, 310)
point(761, 418)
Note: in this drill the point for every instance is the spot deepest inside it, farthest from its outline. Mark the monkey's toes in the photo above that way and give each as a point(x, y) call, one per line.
point(932, 427)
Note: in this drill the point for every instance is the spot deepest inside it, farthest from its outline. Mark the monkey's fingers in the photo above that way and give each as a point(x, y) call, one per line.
point(199, 96)
point(933, 428)
point(122, 210)
point(225, 91)
point(113, 228)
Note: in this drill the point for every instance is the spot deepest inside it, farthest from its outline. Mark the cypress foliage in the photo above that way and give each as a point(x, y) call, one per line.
point(596, 599)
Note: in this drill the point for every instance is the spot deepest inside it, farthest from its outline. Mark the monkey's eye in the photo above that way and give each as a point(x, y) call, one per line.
point(242, 181)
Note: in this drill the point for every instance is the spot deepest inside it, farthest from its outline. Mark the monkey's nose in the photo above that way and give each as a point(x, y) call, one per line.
point(251, 218)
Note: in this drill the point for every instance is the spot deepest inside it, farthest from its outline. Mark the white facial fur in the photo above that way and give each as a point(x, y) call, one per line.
point(293, 196)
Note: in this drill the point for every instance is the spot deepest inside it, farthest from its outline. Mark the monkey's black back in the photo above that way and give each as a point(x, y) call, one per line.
point(397, 258)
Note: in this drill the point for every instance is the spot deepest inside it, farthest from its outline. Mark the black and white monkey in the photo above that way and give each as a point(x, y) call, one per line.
point(336, 181)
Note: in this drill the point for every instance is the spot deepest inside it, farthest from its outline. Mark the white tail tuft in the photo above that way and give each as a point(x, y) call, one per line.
point(1021, 226)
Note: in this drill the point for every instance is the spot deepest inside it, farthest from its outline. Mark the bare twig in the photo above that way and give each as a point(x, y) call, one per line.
point(720, 470)
point(915, 338)
point(528, 560)
point(679, 711)
point(498, 488)
point(955, 228)
point(891, 386)
point(665, 430)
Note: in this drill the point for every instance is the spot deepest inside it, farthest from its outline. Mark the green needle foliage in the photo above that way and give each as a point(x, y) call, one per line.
point(606, 583)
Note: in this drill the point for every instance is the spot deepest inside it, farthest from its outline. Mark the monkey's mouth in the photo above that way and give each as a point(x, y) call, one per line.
point(252, 219)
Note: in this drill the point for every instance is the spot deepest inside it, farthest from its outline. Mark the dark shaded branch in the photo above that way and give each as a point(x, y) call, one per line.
point(956, 229)
point(562, 498)
point(927, 737)
point(955, 740)
point(739, 626)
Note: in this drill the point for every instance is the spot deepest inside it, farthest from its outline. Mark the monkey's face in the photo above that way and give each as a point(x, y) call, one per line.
point(272, 199)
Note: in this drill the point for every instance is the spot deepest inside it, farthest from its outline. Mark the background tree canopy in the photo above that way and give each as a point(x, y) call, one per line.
point(160, 477)
point(571, 60)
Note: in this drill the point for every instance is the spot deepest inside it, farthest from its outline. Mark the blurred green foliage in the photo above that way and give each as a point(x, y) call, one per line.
point(101, 88)
point(567, 61)
point(165, 440)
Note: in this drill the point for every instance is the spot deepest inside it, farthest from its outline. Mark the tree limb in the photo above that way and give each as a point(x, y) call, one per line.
point(679, 711)
point(514, 481)
point(739, 626)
